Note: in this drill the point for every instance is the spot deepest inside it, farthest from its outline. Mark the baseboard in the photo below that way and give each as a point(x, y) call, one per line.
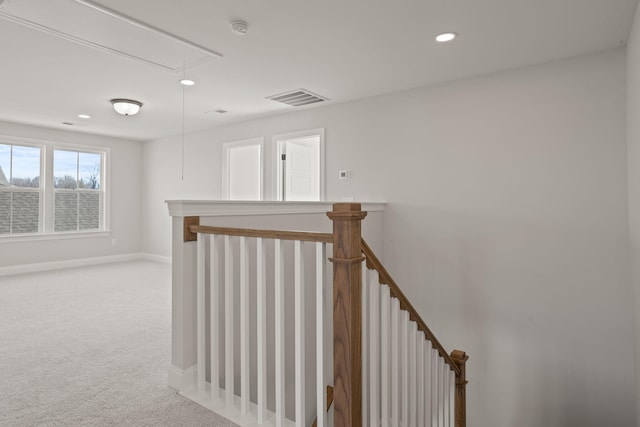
point(155, 258)
point(218, 404)
point(80, 262)
point(182, 379)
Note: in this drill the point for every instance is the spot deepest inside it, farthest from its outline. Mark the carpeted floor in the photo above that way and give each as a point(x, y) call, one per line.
point(91, 347)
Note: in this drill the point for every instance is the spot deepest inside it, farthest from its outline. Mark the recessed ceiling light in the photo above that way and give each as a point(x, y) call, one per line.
point(187, 82)
point(445, 37)
point(84, 116)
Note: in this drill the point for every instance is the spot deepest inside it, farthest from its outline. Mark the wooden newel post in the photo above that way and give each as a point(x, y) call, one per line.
point(460, 359)
point(347, 314)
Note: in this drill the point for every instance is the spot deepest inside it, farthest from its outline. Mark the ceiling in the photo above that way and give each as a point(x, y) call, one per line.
point(342, 50)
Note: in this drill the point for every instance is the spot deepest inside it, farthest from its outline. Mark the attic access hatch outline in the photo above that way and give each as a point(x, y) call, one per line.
point(91, 24)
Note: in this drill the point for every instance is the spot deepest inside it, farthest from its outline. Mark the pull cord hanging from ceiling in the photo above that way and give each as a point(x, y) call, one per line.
point(184, 71)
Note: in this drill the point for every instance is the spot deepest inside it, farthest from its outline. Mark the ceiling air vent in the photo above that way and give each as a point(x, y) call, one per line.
point(298, 98)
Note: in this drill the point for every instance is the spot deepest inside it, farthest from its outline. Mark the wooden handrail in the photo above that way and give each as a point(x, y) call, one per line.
point(373, 263)
point(265, 234)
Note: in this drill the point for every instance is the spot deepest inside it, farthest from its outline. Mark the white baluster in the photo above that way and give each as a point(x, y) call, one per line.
point(440, 392)
point(452, 398)
point(321, 390)
point(228, 321)
point(214, 308)
point(374, 347)
point(411, 395)
point(328, 318)
point(395, 362)
point(200, 310)
point(434, 387)
point(261, 279)
point(404, 357)
point(420, 378)
point(445, 393)
point(245, 391)
point(427, 383)
point(279, 333)
point(365, 344)
point(299, 333)
point(385, 344)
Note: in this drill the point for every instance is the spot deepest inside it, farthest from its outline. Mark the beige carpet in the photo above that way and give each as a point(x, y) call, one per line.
point(91, 347)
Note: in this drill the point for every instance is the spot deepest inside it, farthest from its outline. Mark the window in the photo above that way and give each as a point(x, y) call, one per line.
point(48, 188)
point(20, 189)
point(76, 183)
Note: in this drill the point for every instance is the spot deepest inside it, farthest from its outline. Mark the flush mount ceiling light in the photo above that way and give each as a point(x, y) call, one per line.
point(187, 82)
point(446, 37)
point(126, 107)
point(84, 116)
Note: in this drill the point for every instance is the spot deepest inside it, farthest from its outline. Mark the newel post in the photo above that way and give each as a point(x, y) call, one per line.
point(460, 359)
point(347, 317)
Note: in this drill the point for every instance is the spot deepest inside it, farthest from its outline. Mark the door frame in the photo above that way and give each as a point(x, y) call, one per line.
point(278, 142)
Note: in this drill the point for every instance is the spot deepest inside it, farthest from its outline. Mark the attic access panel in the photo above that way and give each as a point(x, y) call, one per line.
point(91, 24)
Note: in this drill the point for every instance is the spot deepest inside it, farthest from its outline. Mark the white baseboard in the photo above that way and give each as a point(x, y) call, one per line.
point(217, 402)
point(155, 258)
point(182, 379)
point(80, 262)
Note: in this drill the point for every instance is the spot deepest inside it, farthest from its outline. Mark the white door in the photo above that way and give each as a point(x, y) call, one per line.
point(242, 170)
point(301, 167)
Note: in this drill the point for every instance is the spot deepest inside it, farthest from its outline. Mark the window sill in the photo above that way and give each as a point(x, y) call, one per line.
point(54, 236)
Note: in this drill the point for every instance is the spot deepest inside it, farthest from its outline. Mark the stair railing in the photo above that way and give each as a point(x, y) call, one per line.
point(389, 369)
point(217, 248)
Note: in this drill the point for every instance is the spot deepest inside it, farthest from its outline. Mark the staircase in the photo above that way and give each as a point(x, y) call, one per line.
point(284, 340)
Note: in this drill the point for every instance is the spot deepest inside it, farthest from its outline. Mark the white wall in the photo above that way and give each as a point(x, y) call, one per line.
point(633, 156)
point(125, 192)
point(506, 225)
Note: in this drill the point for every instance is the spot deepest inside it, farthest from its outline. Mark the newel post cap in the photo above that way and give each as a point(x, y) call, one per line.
point(351, 211)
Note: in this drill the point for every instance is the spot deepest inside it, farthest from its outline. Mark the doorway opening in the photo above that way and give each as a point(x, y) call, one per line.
point(300, 166)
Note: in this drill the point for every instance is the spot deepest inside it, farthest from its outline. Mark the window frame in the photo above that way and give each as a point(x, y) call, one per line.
point(46, 229)
point(78, 190)
point(39, 190)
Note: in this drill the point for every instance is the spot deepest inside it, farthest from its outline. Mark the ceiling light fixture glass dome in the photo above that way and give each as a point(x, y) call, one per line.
point(126, 107)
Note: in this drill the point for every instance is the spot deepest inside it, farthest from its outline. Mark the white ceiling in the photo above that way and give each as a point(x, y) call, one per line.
point(342, 50)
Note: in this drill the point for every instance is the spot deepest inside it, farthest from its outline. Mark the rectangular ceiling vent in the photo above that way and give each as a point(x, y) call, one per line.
point(91, 24)
point(298, 98)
